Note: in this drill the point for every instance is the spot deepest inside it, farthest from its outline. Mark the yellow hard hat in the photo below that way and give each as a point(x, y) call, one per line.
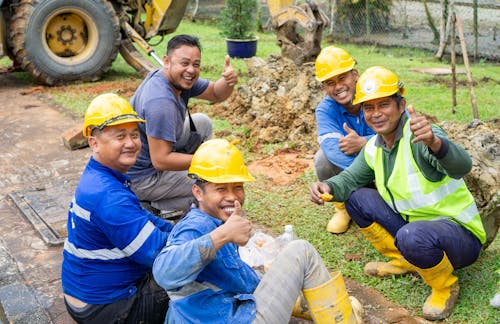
point(107, 110)
point(219, 161)
point(333, 61)
point(377, 82)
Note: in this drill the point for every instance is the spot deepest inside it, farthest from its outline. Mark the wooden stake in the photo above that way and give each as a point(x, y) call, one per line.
point(467, 69)
point(453, 65)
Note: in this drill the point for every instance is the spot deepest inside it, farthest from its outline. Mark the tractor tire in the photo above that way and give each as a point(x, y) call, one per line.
point(64, 41)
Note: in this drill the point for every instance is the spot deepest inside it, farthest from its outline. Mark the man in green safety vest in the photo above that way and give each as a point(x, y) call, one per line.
point(421, 216)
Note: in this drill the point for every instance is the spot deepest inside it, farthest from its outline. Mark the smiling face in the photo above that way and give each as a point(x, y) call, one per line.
point(342, 87)
point(217, 199)
point(182, 67)
point(116, 147)
point(383, 115)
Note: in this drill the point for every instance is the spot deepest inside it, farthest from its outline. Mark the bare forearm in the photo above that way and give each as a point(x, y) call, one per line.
point(222, 90)
point(174, 161)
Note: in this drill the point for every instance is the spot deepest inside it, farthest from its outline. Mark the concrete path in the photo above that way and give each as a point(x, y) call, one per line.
point(32, 155)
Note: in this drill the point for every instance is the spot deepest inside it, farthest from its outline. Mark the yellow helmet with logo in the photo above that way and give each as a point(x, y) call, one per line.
point(333, 61)
point(377, 82)
point(219, 161)
point(107, 110)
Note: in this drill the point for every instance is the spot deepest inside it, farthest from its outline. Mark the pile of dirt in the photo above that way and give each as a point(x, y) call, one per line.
point(482, 141)
point(277, 104)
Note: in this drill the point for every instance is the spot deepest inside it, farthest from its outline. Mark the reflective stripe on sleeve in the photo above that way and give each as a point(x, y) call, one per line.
point(79, 211)
point(111, 254)
point(329, 135)
point(139, 239)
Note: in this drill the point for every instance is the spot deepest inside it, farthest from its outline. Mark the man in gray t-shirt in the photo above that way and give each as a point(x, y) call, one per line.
point(168, 138)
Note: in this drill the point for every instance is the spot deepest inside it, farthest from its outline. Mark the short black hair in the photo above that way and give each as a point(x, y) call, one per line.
point(182, 40)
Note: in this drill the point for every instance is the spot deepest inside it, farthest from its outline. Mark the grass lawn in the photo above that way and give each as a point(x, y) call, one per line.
point(276, 206)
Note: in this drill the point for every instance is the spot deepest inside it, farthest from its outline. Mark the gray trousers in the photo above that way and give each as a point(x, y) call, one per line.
point(298, 266)
point(324, 168)
point(171, 190)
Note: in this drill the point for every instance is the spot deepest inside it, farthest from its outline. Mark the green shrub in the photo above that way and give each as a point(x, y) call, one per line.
point(238, 19)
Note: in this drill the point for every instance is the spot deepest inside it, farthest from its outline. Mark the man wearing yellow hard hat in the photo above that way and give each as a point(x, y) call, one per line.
point(421, 216)
point(112, 241)
point(205, 277)
point(342, 130)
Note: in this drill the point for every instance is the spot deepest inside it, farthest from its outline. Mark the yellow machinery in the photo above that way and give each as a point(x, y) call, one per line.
point(286, 18)
point(61, 41)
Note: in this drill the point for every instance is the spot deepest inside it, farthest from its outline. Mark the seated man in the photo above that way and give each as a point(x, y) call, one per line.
point(201, 266)
point(172, 134)
point(112, 241)
point(421, 216)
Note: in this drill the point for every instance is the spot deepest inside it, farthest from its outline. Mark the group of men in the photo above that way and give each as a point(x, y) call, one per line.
point(396, 175)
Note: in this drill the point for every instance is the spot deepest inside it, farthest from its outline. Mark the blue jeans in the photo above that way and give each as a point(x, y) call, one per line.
point(422, 243)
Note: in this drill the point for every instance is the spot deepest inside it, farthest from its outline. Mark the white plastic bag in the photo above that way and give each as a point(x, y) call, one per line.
point(260, 251)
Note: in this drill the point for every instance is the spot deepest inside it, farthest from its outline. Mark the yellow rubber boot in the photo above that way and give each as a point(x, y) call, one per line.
point(383, 242)
point(444, 284)
point(330, 303)
point(340, 220)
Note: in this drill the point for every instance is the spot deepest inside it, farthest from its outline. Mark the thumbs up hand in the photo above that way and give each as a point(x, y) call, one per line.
point(229, 74)
point(237, 227)
point(352, 143)
point(422, 130)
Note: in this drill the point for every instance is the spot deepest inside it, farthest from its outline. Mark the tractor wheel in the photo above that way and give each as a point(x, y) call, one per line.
point(63, 41)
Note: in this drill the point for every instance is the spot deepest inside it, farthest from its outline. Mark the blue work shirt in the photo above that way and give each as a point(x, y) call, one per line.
point(330, 118)
point(112, 241)
point(204, 285)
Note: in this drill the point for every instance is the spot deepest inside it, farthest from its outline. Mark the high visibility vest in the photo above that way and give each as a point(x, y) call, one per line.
point(410, 194)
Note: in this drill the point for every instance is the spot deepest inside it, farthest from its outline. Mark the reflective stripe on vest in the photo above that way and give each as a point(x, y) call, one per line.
point(409, 193)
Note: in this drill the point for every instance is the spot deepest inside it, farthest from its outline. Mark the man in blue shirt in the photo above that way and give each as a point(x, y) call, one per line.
point(342, 130)
point(112, 241)
point(201, 266)
point(169, 138)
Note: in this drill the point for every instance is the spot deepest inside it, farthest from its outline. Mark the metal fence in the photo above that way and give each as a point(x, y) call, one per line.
point(414, 24)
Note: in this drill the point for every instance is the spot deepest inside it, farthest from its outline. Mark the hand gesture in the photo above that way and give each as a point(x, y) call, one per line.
point(422, 130)
point(352, 143)
point(237, 227)
point(229, 74)
point(316, 190)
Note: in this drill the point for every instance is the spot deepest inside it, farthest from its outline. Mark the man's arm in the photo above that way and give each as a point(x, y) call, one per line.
point(443, 155)
point(329, 133)
point(164, 158)
point(129, 227)
point(221, 89)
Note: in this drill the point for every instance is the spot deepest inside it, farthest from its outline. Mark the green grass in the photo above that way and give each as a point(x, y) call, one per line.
point(274, 207)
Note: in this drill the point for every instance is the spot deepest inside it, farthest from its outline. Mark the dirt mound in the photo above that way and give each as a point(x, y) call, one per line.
point(482, 141)
point(277, 104)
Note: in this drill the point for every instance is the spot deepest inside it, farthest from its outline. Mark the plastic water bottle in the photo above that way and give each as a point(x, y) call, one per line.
point(287, 236)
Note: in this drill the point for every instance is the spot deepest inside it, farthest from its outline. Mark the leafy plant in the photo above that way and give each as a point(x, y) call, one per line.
point(237, 20)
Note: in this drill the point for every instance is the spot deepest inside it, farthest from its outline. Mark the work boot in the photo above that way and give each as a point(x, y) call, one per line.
point(445, 289)
point(340, 220)
point(330, 303)
point(383, 242)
